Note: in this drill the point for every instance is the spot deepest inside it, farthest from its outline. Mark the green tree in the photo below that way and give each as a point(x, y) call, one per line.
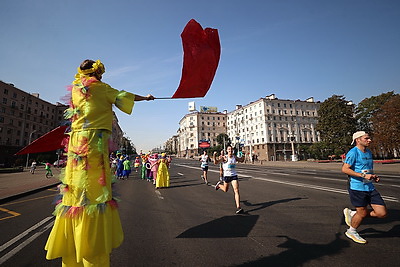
point(367, 108)
point(386, 127)
point(221, 138)
point(336, 124)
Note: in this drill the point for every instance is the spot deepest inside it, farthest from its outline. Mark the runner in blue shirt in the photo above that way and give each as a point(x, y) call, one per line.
point(358, 165)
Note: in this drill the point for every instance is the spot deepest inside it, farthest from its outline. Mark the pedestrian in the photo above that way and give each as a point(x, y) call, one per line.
point(127, 168)
point(87, 224)
point(358, 165)
point(230, 175)
point(204, 159)
point(47, 167)
point(162, 172)
point(33, 166)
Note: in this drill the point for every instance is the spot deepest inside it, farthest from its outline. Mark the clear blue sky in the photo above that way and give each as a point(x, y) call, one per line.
point(292, 48)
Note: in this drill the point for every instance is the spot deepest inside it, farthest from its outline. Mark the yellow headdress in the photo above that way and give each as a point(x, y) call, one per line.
point(96, 67)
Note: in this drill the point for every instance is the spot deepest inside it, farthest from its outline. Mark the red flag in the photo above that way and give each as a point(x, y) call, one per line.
point(52, 140)
point(201, 53)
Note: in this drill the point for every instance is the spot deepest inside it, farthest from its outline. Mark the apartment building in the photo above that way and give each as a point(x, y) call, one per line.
point(273, 129)
point(196, 127)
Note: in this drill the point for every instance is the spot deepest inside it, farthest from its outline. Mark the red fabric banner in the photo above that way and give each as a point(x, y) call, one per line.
point(52, 140)
point(201, 53)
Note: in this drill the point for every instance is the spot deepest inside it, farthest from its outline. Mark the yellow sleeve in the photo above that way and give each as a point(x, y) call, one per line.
point(125, 101)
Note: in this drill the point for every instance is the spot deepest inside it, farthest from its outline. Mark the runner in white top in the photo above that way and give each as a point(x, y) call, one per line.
point(204, 159)
point(230, 176)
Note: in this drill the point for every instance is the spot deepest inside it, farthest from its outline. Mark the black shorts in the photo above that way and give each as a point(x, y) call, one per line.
point(205, 168)
point(365, 198)
point(228, 179)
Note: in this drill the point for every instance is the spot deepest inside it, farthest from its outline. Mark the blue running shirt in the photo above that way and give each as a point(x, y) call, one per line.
point(362, 163)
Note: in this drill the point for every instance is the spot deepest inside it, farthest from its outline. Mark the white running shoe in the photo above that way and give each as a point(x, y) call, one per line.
point(217, 185)
point(239, 211)
point(355, 237)
point(347, 216)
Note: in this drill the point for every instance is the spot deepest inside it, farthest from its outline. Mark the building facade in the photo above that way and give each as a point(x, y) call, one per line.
point(274, 129)
point(196, 127)
point(24, 117)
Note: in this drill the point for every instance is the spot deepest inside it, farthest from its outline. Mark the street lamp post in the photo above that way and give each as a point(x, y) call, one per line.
point(29, 141)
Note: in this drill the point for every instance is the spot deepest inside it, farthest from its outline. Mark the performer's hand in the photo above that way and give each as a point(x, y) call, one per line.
point(149, 97)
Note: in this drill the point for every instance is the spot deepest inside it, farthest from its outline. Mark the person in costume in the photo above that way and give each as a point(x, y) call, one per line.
point(127, 168)
point(87, 224)
point(162, 172)
point(120, 167)
point(154, 167)
point(143, 173)
point(113, 168)
point(47, 167)
point(136, 164)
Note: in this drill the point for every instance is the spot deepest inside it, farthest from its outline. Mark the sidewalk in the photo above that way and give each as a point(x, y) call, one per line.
point(17, 184)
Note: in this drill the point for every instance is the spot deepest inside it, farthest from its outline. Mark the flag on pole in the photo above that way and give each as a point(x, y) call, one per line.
point(201, 54)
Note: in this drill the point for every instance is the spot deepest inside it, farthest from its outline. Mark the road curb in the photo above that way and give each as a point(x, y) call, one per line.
point(27, 193)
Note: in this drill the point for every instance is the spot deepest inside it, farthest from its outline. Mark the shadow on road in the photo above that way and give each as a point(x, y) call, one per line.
point(264, 205)
point(298, 253)
point(225, 227)
point(373, 233)
point(393, 216)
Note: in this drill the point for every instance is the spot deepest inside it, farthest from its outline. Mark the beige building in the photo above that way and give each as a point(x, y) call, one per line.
point(172, 144)
point(196, 127)
point(273, 129)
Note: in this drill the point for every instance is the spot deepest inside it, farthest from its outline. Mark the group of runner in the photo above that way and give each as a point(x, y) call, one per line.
point(358, 165)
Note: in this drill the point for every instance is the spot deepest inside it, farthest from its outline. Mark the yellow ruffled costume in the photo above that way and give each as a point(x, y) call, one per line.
point(162, 174)
point(87, 225)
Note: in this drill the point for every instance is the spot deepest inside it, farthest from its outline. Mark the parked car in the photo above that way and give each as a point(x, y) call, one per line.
point(60, 163)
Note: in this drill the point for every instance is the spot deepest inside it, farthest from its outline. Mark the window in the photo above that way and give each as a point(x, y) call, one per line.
point(4, 100)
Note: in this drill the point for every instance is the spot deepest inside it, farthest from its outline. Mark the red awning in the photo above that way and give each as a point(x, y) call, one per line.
point(52, 140)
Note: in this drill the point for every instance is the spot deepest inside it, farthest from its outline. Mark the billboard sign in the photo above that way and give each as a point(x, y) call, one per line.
point(208, 109)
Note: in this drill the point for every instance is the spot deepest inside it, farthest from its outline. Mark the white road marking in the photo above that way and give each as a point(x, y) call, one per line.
point(29, 240)
point(158, 193)
point(279, 173)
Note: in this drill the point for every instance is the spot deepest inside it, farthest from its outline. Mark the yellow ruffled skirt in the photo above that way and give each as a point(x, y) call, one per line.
point(87, 225)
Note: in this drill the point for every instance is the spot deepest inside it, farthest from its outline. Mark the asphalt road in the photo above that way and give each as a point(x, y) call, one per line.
point(293, 218)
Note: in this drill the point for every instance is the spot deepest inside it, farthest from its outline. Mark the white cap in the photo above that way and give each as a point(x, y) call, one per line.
point(358, 135)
